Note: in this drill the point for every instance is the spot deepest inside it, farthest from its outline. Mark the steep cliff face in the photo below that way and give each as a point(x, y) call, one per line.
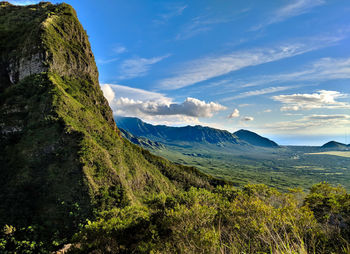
point(40, 37)
point(61, 152)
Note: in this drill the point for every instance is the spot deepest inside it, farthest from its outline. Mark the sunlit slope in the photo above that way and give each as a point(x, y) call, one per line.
point(60, 149)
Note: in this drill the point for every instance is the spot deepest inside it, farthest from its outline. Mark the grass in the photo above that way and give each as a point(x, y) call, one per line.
point(275, 167)
point(345, 154)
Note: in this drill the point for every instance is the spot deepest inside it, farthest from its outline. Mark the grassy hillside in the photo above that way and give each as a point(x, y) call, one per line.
point(62, 157)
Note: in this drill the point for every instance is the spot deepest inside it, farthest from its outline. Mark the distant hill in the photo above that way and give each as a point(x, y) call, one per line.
point(166, 134)
point(335, 145)
point(191, 134)
point(255, 139)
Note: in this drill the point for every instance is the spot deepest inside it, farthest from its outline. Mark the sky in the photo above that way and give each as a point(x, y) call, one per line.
point(280, 68)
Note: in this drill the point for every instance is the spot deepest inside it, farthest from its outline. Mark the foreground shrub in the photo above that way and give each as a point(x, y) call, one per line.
point(256, 219)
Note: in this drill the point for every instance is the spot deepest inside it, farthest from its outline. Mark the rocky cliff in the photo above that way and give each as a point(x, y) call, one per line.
point(61, 155)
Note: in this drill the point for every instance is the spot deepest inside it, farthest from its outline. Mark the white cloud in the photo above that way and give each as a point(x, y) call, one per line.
point(245, 105)
point(107, 61)
point(138, 67)
point(174, 11)
point(210, 67)
point(234, 114)
point(267, 90)
point(136, 93)
point(293, 9)
point(247, 118)
point(296, 8)
point(156, 107)
point(205, 23)
point(320, 70)
point(267, 111)
point(320, 99)
point(198, 25)
point(119, 49)
point(108, 93)
point(190, 107)
point(325, 124)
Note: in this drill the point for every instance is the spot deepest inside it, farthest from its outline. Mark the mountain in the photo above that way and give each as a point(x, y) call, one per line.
point(166, 134)
point(141, 141)
point(191, 134)
point(335, 145)
point(255, 139)
point(62, 157)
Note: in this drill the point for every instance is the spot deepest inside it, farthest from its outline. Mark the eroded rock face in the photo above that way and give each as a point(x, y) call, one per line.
point(20, 68)
point(49, 39)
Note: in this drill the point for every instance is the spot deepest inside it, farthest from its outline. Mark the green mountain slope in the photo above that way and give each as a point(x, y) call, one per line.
point(61, 152)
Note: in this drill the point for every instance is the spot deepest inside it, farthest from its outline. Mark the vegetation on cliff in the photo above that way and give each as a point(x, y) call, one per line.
point(62, 157)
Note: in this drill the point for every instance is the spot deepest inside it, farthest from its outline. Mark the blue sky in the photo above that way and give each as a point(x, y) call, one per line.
point(280, 68)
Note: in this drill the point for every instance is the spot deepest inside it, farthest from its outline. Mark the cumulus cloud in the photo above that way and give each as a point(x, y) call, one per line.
point(138, 66)
point(190, 107)
point(108, 92)
point(234, 114)
point(214, 66)
point(320, 99)
point(136, 93)
point(156, 107)
point(247, 118)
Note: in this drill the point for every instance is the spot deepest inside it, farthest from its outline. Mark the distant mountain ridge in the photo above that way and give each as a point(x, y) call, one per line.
point(255, 139)
point(166, 134)
point(335, 145)
point(199, 134)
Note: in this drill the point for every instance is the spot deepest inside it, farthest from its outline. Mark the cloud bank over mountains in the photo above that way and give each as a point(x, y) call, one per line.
point(141, 103)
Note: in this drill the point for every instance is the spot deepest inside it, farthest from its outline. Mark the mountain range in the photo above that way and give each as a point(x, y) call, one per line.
point(191, 134)
point(199, 134)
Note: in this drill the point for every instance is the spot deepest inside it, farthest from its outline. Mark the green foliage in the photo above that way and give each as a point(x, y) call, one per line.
point(24, 240)
point(256, 219)
point(331, 207)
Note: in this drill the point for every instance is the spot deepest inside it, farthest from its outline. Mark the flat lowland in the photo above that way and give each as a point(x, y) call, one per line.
point(336, 153)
